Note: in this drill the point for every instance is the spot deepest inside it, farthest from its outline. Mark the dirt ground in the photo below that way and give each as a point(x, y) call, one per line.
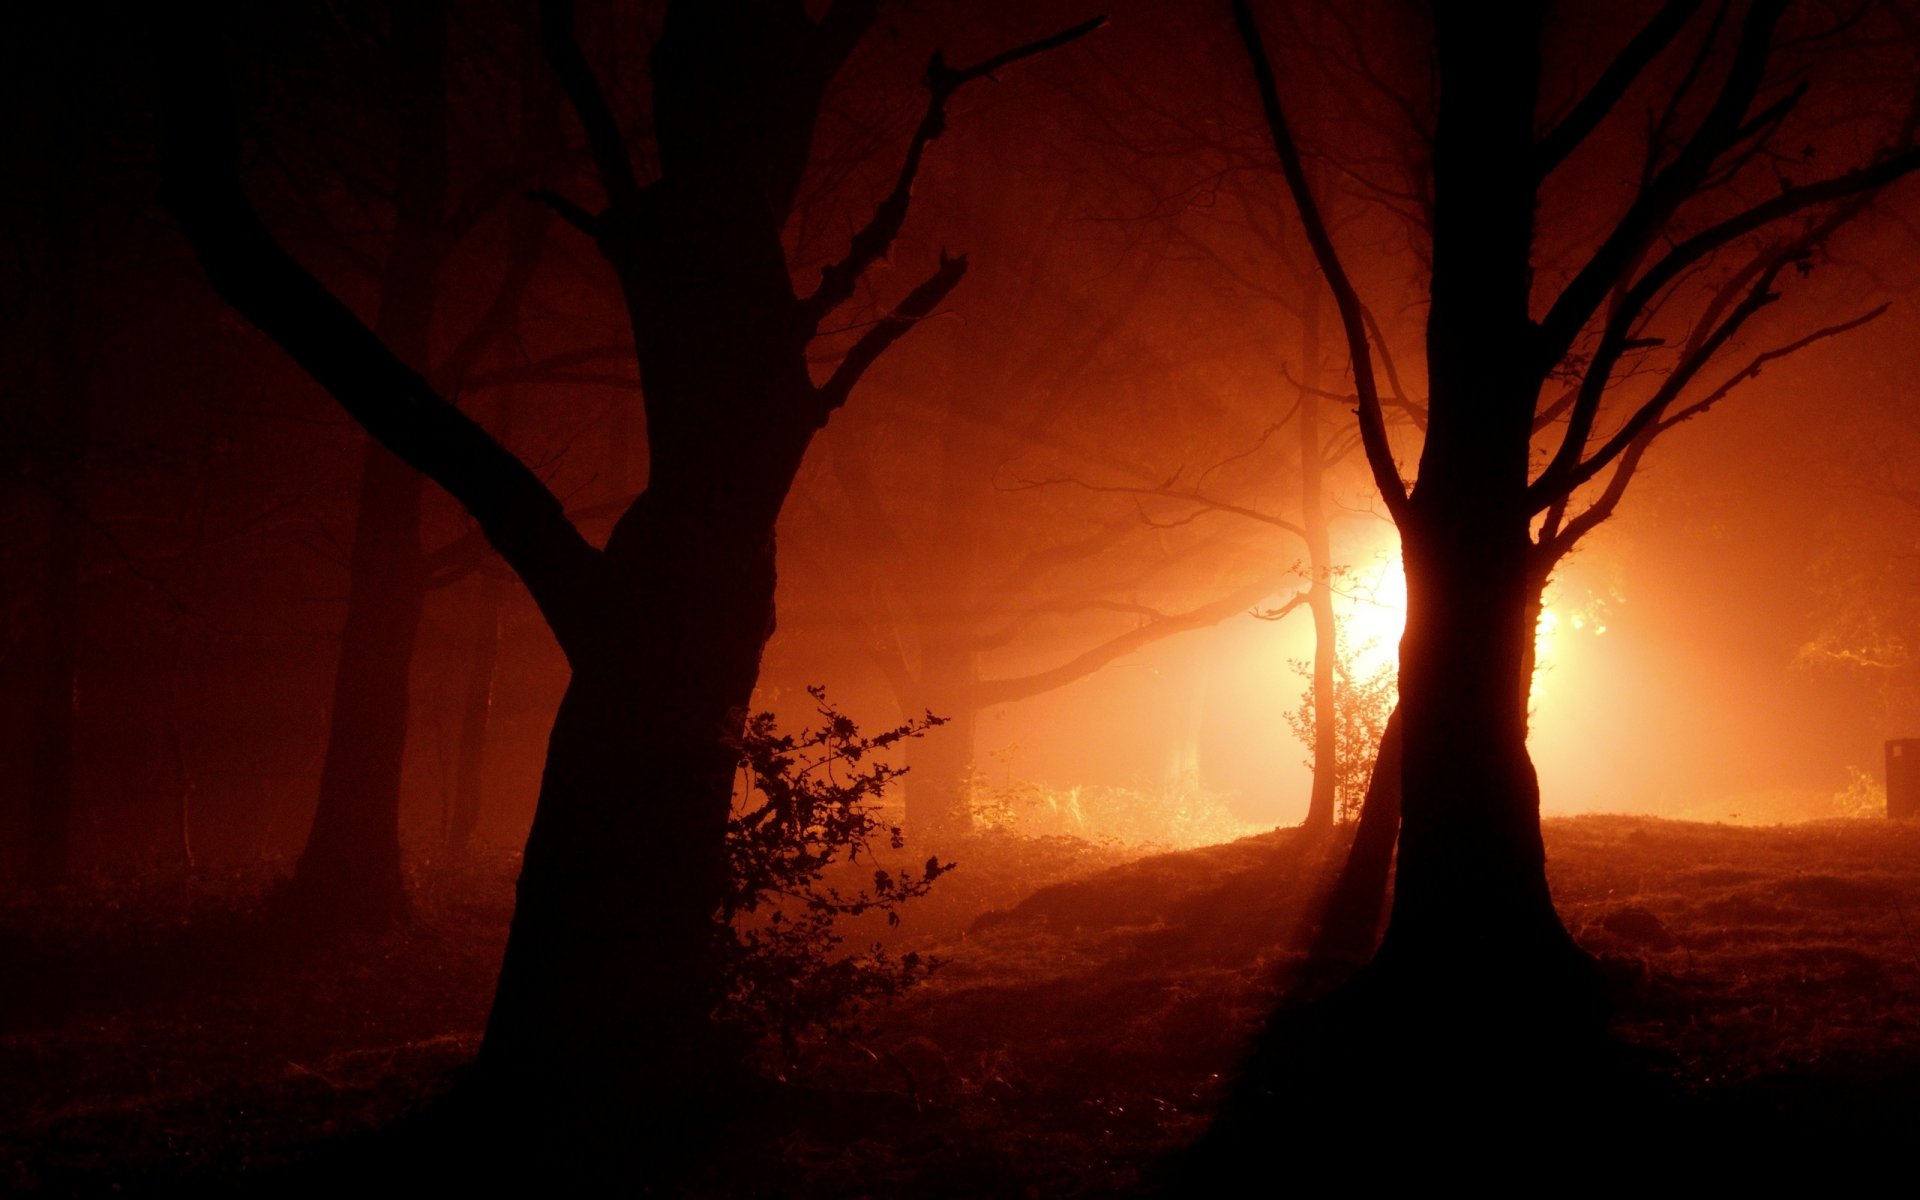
point(159, 1035)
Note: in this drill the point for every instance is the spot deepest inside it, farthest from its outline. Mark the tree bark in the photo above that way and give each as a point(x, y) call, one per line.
point(1471, 901)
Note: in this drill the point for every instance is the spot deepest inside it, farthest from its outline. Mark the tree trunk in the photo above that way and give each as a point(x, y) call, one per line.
point(609, 982)
point(940, 764)
point(349, 871)
point(1313, 522)
point(476, 710)
point(1471, 908)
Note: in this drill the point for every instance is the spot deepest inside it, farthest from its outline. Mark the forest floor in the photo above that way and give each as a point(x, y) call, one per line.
point(161, 1036)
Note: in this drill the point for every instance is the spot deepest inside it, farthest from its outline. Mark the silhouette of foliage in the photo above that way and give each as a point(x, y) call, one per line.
point(1362, 702)
point(804, 822)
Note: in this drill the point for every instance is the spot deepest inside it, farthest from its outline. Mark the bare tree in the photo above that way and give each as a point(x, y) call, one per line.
point(1512, 364)
point(610, 974)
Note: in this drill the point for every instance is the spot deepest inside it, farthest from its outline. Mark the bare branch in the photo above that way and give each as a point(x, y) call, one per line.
point(1200, 502)
point(253, 272)
point(1627, 66)
point(871, 243)
point(1373, 426)
point(1668, 189)
point(1759, 362)
point(611, 160)
point(920, 302)
point(574, 215)
point(1004, 691)
point(1285, 610)
point(1615, 340)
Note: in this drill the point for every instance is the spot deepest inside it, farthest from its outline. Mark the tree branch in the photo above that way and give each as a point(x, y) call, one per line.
point(1669, 188)
point(871, 243)
point(1373, 426)
point(990, 692)
point(1615, 340)
point(250, 270)
point(1592, 108)
point(920, 302)
point(561, 44)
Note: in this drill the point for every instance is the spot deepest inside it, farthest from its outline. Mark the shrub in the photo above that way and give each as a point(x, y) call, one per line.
point(1362, 702)
point(800, 836)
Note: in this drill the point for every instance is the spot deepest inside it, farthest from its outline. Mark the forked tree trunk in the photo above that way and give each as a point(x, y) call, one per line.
point(608, 985)
point(1471, 913)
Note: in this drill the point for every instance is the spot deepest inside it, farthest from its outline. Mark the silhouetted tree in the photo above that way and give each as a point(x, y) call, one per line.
point(609, 979)
point(349, 871)
point(1481, 529)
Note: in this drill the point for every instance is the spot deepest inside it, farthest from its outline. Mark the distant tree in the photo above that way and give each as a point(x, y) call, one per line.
point(611, 974)
point(1687, 262)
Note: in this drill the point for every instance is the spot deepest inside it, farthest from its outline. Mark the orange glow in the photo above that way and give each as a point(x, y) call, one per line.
point(1371, 606)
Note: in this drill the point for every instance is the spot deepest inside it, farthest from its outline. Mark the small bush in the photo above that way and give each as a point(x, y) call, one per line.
point(804, 824)
point(1361, 705)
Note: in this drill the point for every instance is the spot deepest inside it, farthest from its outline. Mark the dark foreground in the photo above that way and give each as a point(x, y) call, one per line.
point(160, 1035)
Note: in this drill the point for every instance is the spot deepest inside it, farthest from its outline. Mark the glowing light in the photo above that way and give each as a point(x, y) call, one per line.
point(1372, 611)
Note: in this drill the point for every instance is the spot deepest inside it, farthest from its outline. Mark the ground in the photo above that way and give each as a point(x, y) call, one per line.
point(153, 1038)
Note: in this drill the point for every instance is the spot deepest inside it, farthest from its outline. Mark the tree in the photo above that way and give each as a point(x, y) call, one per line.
point(349, 871)
point(609, 979)
point(1685, 265)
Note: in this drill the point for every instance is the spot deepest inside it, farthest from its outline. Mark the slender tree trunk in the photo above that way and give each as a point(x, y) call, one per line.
point(476, 711)
point(940, 764)
point(1313, 521)
point(349, 872)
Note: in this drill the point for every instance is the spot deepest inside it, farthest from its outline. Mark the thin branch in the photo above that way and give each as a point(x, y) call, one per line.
point(1616, 340)
point(872, 242)
point(990, 692)
point(1201, 503)
point(1373, 425)
point(1281, 613)
point(561, 44)
point(920, 302)
point(1668, 189)
point(1632, 61)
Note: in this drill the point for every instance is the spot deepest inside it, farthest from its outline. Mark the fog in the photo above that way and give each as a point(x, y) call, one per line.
point(1041, 469)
